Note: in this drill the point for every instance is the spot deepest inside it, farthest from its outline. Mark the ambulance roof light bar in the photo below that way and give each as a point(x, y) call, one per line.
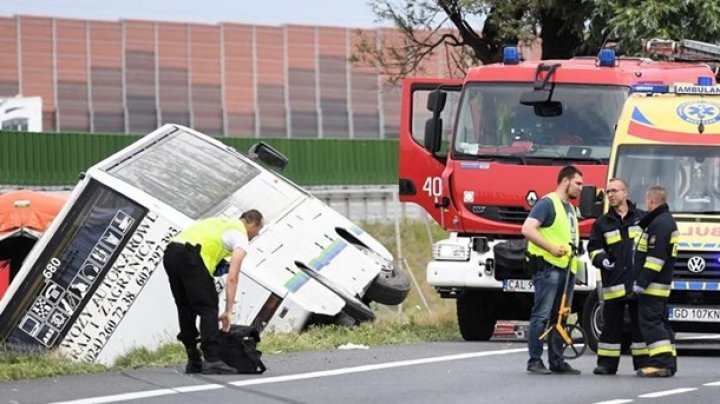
point(704, 87)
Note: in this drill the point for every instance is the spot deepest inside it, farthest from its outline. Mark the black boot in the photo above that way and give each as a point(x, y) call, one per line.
point(194, 362)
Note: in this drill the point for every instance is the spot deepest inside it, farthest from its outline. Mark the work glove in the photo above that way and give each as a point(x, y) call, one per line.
point(222, 268)
point(608, 265)
point(638, 290)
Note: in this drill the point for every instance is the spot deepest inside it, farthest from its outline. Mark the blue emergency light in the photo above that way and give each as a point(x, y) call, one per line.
point(606, 57)
point(511, 55)
point(704, 81)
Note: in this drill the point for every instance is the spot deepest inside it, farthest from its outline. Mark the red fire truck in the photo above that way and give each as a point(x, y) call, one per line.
point(477, 154)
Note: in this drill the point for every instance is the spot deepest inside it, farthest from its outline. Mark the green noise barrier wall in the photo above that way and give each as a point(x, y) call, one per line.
point(54, 159)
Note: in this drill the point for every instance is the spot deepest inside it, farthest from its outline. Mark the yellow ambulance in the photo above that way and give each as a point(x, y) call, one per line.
point(670, 136)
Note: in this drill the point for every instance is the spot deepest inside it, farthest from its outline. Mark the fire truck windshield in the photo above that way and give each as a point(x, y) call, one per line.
point(691, 175)
point(493, 124)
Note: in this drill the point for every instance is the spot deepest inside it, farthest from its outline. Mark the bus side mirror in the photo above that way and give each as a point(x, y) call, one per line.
point(268, 155)
point(591, 203)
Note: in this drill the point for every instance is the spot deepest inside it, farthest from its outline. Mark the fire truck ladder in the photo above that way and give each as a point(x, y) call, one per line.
point(685, 50)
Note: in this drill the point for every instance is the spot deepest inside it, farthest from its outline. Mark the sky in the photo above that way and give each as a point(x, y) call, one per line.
point(345, 13)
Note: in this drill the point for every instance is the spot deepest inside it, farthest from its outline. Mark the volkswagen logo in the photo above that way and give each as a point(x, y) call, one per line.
point(696, 264)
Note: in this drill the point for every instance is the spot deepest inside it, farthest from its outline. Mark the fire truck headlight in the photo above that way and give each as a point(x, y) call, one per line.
point(451, 252)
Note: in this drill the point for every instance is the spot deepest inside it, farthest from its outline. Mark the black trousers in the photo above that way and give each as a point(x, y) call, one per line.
point(195, 296)
point(657, 332)
point(610, 342)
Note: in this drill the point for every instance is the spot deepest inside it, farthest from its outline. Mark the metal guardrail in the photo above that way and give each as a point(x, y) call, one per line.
point(367, 202)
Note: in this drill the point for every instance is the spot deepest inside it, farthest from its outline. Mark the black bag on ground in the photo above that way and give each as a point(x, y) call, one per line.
point(238, 348)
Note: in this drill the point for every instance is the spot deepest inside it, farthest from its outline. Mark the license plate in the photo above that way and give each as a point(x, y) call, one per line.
point(700, 314)
point(518, 285)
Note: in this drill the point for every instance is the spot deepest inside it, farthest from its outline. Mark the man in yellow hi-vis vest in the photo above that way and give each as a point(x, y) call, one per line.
point(551, 228)
point(190, 261)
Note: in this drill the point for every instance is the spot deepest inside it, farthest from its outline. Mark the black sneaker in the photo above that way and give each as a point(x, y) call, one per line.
point(564, 369)
point(217, 367)
point(194, 362)
point(602, 370)
point(537, 368)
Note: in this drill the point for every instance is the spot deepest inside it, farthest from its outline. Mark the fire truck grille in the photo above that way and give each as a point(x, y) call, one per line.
point(506, 214)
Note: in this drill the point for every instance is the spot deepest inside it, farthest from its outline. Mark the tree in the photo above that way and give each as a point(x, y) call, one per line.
point(633, 21)
point(472, 32)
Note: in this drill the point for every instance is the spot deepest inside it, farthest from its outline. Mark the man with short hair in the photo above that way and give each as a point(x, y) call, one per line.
point(654, 261)
point(552, 232)
point(611, 249)
point(190, 261)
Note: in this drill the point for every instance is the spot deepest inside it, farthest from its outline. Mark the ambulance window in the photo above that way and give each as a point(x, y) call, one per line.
point(187, 173)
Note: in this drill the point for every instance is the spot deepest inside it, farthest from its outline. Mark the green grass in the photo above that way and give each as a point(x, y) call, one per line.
point(411, 322)
point(15, 365)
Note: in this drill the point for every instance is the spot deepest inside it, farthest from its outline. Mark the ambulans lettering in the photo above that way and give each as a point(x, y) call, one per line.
point(701, 231)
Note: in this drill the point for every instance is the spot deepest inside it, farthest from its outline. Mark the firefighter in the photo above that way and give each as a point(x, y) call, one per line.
point(611, 250)
point(551, 229)
point(655, 255)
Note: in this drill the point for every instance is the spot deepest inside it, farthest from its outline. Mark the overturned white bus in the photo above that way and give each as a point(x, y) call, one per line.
point(93, 285)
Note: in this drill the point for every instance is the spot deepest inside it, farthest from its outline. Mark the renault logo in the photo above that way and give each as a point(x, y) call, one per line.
point(531, 198)
point(696, 264)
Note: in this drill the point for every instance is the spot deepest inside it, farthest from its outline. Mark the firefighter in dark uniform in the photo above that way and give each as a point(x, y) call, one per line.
point(655, 256)
point(611, 250)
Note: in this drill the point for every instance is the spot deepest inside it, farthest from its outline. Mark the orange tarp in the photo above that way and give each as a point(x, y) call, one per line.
point(29, 210)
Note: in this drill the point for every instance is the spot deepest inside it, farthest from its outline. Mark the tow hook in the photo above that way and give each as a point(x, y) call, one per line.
point(489, 267)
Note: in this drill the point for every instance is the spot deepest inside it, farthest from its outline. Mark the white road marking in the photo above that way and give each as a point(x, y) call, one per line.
point(617, 401)
point(121, 397)
point(279, 379)
point(143, 394)
point(712, 384)
point(202, 387)
point(668, 392)
point(368, 368)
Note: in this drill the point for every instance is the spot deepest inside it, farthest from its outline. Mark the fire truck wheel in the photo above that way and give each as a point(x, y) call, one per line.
point(475, 320)
point(592, 319)
point(391, 286)
point(353, 306)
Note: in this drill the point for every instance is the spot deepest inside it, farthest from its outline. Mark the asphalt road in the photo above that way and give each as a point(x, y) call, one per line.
point(489, 372)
